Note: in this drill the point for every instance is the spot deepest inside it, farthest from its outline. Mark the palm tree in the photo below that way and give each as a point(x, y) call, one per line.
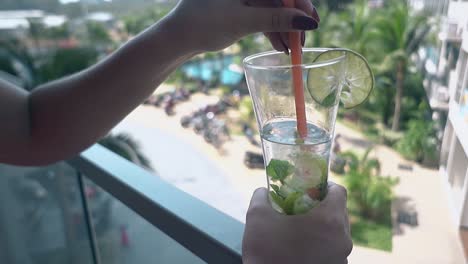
point(369, 193)
point(36, 32)
point(125, 146)
point(247, 45)
point(334, 5)
point(354, 27)
point(328, 34)
point(399, 34)
point(98, 35)
point(13, 52)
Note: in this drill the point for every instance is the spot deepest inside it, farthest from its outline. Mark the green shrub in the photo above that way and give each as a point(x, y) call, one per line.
point(246, 109)
point(225, 90)
point(390, 138)
point(370, 193)
point(67, 61)
point(419, 141)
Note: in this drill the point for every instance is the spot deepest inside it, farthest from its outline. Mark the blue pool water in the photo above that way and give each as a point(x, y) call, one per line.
point(207, 70)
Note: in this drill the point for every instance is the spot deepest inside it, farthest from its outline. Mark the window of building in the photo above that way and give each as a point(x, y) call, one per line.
point(462, 75)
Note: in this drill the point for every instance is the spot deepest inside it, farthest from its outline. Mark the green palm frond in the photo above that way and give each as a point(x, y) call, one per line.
point(14, 51)
point(418, 39)
point(365, 156)
point(372, 164)
point(352, 160)
point(125, 146)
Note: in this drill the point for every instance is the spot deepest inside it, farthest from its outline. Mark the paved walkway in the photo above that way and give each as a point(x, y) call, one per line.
point(434, 241)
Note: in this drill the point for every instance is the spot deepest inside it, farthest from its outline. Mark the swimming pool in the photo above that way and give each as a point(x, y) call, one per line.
point(209, 69)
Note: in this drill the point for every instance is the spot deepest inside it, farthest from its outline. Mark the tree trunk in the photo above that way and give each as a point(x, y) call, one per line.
point(398, 95)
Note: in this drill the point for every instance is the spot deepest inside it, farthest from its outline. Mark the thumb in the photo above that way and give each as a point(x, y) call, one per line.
point(279, 20)
point(337, 195)
point(260, 204)
point(259, 198)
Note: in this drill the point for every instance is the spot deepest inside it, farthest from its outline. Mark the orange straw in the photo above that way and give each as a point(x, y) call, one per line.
point(296, 59)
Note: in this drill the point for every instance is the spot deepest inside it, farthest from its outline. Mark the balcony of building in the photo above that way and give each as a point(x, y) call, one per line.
point(99, 208)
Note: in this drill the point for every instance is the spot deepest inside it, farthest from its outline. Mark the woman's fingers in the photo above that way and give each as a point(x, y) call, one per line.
point(263, 3)
point(308, 7)
point(304, 5)
point(277, 42)
point(270, 19)
point(280, 40)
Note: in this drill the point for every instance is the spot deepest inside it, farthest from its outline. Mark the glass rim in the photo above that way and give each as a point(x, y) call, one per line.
point(248, 60)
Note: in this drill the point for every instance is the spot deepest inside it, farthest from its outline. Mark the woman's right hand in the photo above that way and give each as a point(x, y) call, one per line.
point(317, 237)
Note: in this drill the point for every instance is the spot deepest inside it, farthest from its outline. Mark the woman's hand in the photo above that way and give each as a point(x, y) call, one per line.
point(320, 236)
point(210, 25)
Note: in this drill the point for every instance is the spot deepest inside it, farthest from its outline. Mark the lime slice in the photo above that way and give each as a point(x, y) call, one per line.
point(358, 81)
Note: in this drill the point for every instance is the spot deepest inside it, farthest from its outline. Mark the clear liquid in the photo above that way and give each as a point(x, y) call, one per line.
point(297, 169)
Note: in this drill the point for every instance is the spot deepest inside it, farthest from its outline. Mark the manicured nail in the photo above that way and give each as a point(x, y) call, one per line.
point(316, 15)
point(304, 23)
point(302, 38)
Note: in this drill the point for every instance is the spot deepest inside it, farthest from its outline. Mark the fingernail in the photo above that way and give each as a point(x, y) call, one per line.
point(302, 38)
point(304, 23)
point(316, 15)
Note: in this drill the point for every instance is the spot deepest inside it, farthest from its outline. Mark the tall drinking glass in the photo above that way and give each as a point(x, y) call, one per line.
point(296, 167)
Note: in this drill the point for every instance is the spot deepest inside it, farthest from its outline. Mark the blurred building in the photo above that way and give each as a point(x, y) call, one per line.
point(17, 20)
point(15, 23)
point(446, 84)
point(431, 6)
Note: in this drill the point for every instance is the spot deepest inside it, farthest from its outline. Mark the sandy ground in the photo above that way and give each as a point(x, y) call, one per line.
point(236, 176)
point(433, 241)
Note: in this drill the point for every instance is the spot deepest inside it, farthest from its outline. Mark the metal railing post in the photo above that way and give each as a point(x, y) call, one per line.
point(88, 221)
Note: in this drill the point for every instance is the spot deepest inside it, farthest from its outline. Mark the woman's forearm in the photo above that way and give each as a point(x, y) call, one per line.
point(70, 114)
point(64, 117)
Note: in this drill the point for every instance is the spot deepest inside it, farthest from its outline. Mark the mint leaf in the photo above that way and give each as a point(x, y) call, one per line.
point(276, 188)
point(299, 141)
point(329, 100)
point(279, 169)
point(303, 204)
point(278, 200)
point(288, 205)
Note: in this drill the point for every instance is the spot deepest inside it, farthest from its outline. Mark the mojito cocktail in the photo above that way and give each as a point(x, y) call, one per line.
point(296, 165)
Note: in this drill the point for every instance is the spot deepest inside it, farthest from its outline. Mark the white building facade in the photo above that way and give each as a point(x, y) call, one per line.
point(448, 96)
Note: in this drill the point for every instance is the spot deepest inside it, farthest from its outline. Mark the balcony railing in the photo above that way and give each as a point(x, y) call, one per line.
point(99, 208)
